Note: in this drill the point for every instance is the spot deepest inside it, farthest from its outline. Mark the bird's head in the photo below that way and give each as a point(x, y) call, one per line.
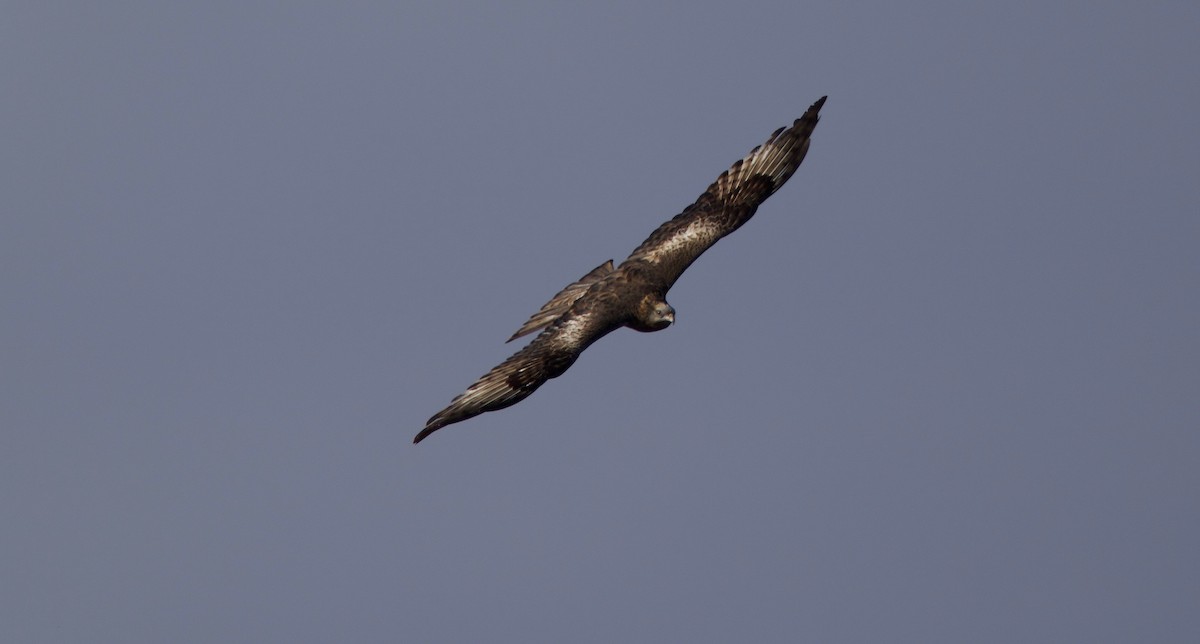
point(653, 314)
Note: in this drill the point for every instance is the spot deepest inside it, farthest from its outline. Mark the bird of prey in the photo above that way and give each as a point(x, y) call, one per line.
point(633, 293)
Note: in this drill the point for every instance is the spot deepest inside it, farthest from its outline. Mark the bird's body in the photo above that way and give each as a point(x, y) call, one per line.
point(633, 294)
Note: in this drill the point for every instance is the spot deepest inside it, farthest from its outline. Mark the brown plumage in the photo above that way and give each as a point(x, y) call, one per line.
point(633, 294)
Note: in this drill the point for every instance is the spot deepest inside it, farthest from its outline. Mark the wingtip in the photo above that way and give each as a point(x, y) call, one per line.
point(430, 428)
point(816, 107)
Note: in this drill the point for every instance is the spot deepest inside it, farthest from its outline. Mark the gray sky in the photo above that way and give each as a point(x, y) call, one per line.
point(943, 387)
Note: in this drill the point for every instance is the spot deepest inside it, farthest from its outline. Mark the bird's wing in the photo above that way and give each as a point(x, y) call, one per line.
point(727, 204)
point(561, 303)
point(604, 309)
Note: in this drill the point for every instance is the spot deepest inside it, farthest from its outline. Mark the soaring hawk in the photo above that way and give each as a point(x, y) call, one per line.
point(633, 294)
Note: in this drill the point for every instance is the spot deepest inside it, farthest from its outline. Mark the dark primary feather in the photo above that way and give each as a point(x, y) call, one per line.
point(606, 298)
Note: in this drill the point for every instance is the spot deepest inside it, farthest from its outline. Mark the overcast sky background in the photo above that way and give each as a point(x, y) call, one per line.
point(944, 387)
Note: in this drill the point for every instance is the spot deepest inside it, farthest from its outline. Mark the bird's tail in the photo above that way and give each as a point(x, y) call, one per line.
point(561, 303)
